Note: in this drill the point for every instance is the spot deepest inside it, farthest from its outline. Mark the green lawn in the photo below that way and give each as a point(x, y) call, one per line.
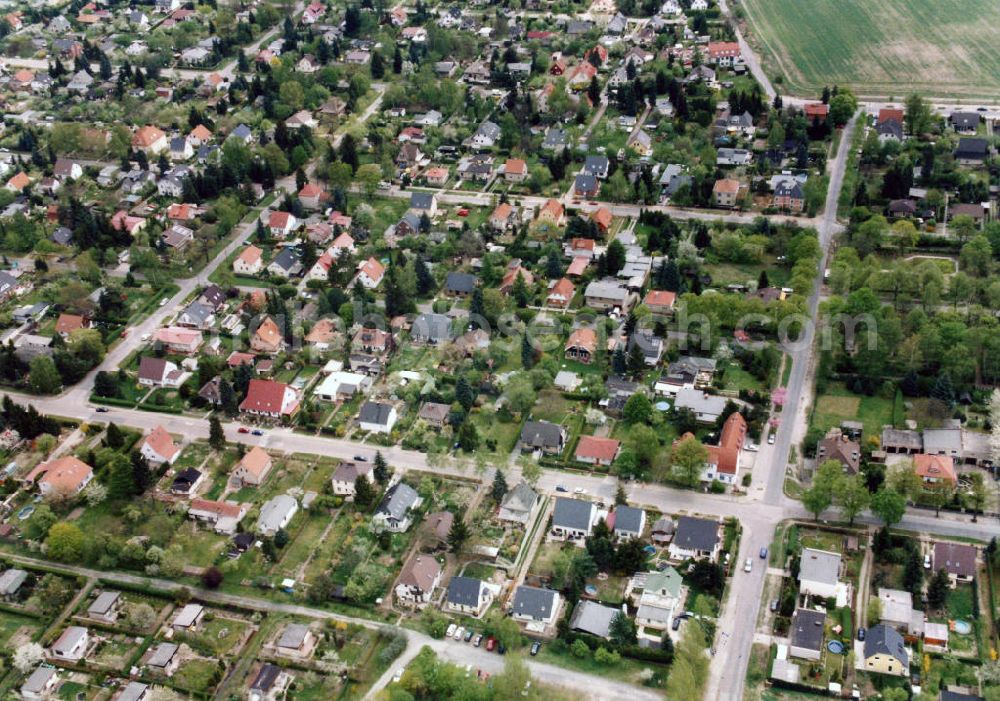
point(838, 404)
point(197, 676)
point(960, 602)
point(938, 47)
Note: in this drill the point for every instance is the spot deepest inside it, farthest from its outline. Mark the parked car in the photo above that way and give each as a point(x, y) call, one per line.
point(257, 432)
point(677, 623)
point(102, 410)
point(491, 644)
point(451, 630)
point(243, 429)
point(748, 565)
point(763, 553)
point(560, 488)
point(459, 633)
point(927, 561)
point(361, 458)
point(535, 647)
point(398, 675)
point(770, 439)
point(479, 640)
point(774, 605)
point(502, 649)
point(861, 633)
point(468, 634)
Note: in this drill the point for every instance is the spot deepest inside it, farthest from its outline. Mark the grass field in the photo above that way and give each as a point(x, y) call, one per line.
point(941, 48)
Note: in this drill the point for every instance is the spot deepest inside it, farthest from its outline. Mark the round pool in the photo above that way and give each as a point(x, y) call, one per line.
point(662, 406)
point(836, 647)
point(590, 590)
point(962, 627)
point(26, 512)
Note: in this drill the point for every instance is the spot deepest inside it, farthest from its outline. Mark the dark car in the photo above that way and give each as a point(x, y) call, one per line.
point(677, 623)
point(102, 410)
point(502, 649)
point(535, 647)
point(560, 488)
point(361, 458)
point(468, 634)
point(861, 633)
point(257, 432)
point(763, 553)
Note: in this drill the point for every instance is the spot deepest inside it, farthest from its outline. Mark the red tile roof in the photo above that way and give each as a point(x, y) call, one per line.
point(599, 449)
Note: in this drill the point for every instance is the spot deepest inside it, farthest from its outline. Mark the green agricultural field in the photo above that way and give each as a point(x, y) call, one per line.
point(941, 48)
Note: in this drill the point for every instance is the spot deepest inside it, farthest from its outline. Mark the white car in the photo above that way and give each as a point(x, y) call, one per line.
point(579, 490)
point(145, 337)
point(397, 676)
point(927, 561)
point(770, 439)
point(748, 565)
point(459, 633)
point(451, 630)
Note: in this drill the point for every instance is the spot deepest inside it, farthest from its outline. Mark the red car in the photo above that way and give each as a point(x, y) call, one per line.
point(463, 212)
point(491, 644)
point(243, 429)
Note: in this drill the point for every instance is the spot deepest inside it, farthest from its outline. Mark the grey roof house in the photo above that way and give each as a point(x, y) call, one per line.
point(629, 522)
point(394, 513)
point(431, 329)
point(806, 634)
point(542, 435)
point(695, 537)
point(535, 606)
point(518, 503)
point(573, 518)
point(468, 595)
point(593, 618)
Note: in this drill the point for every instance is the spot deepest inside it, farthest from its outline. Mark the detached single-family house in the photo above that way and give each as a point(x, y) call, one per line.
point(159, 372)
point(627, 522)
point(581, 345)
point(885, 651)
point(159, 447)
point(223, 516)
point(957, 559)
point(253, 468)
point(269, 684)
point(542, 435)
point(394, 512)
point(573, 518)
point(418, 579)
point(696, 538)
point(297, 641)
point(276, 514)
point(377, 417)
point(593, 618)
point(72, 645)
point(517, 504)
point(270, 398)
point(250, 261)
point(346, 475)
point(819, 573)
point(661, 596)
point(595, 450)
point(40, 684)
point(163, 659)
point(806, 634)
point(105, 607)
point(188, 618)
point(468, 595)
point(63, 477)
point(538, 608)
point(10, 583)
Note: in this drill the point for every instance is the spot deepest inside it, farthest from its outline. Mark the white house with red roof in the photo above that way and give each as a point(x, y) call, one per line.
point(178, 339)
point(150, 139)
point(595, 450)
point(660, 301)
point(270, 398)
point(370, 274)
point(63, 477)
point(250, 261)
point(159, 447)
point(281, 224)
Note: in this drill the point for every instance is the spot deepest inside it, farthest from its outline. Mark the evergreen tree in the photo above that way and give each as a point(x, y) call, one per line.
point(938, 588)
point(943, 390)
point(527, 353)
point(381, 471)
point(477, 308)
point(464, 394)
point(377, 65)
point(114, 438)
point(142, 475)
point(619, 364)
point(216, 436)
point(499, 488)
point(397, 61)
point(636, 361)
point(763, 281)
point(468, 437)
point(457, 534)
point(425, 281)
point(364, 492)
point(909, 386)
